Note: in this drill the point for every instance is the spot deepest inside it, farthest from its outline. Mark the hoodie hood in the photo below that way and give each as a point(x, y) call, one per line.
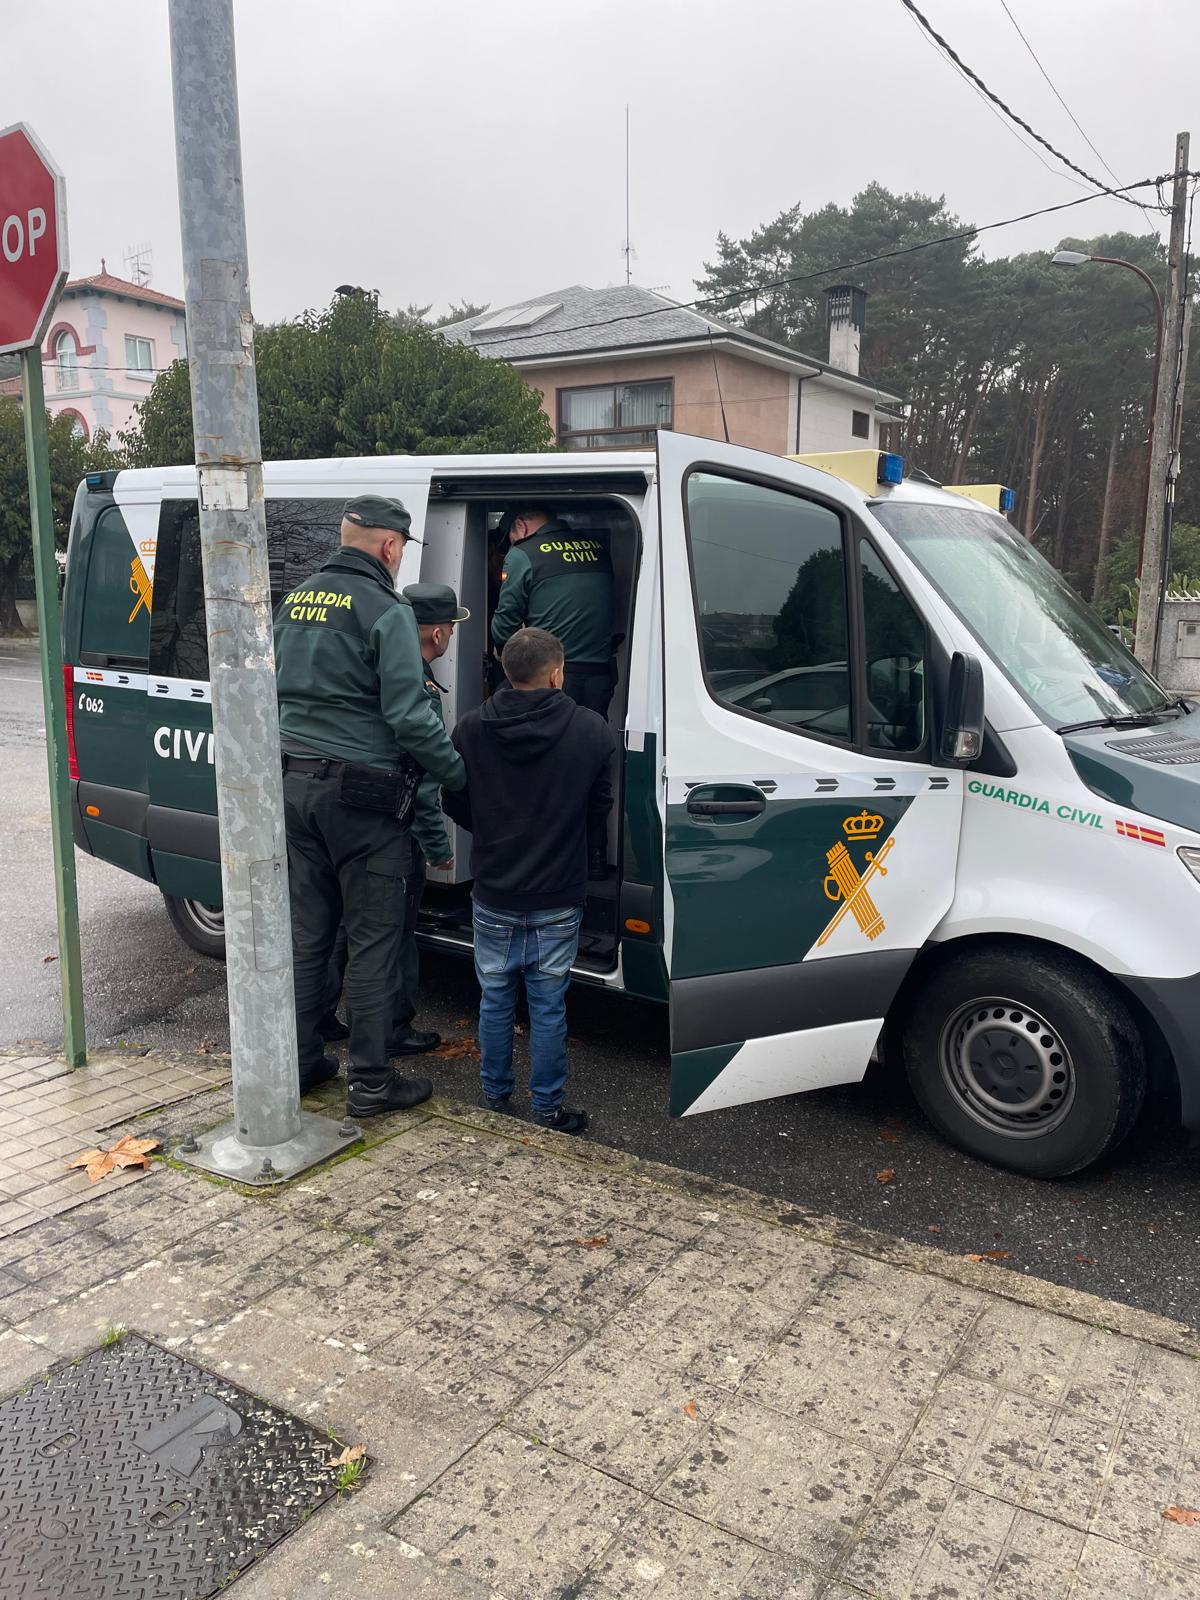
point(526, 723)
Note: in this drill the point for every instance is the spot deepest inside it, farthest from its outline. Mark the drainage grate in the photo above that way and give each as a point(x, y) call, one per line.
point(136, 1475)
point(1167, 749)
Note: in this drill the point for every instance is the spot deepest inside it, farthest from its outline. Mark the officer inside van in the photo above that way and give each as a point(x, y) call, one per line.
point(358, 732)
point(563, 582)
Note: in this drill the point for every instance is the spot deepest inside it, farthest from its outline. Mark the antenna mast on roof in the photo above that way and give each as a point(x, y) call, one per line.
point(138, 263)
point(627, 249)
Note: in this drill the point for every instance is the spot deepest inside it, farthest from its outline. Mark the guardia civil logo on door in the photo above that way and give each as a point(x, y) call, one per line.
point(848, 881)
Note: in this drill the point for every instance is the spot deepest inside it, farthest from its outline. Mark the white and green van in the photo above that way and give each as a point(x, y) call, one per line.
point(888, 787)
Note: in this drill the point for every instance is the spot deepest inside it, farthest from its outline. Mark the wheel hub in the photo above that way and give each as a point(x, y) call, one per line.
point(1007, 1067)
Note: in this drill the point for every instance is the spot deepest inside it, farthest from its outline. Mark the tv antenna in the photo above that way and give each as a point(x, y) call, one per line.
point(139, 263)
point(627, 249)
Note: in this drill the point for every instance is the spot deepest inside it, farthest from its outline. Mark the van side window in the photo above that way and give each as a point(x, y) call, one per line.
point(300, 535)
point(895, 646)
point(116, 605)
point(770, 578)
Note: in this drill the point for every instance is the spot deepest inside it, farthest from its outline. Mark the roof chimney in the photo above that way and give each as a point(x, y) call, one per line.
point(847, 312)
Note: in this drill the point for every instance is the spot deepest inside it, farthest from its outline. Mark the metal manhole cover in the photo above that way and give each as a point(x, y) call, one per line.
point(136, 1475)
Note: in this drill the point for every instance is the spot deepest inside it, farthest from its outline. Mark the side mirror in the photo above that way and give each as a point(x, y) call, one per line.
point(962, 730)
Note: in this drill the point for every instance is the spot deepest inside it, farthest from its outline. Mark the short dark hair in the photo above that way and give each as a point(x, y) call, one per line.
point(530, 508)
point(529, 655)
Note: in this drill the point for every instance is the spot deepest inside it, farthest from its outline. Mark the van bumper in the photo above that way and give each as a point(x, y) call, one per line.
point(1174, 1003)
point(82, 842)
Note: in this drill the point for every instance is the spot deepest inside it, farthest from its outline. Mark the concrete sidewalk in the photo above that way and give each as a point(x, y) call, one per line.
point(581, 1375)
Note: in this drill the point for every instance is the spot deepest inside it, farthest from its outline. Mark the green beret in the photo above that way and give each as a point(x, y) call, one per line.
point(378, 511)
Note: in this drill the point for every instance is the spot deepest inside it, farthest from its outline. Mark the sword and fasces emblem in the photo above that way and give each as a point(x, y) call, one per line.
point(844, 882)
point(140, 585)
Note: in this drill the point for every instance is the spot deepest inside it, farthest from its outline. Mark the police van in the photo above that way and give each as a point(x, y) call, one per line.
point(888, 788)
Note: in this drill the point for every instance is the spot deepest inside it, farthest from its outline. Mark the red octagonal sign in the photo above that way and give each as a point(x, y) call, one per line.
point(33, 238)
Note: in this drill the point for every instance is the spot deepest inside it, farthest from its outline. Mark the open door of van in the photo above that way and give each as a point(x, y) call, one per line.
point(810, 839)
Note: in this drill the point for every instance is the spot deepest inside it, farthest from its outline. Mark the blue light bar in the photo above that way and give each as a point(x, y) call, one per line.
point(95, 480)
point(1008, 499)
point(891, 468)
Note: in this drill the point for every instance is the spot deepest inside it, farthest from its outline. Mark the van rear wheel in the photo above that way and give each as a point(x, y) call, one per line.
point(1028, 1061)
point(198, 925)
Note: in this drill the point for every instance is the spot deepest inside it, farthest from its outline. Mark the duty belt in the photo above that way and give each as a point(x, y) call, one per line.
point(311, 766)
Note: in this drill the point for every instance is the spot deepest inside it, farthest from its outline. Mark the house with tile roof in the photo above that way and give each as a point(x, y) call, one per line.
point(614, 365)
point(108, 342)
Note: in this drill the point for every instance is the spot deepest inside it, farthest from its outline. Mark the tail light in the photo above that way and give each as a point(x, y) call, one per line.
point(69, 696)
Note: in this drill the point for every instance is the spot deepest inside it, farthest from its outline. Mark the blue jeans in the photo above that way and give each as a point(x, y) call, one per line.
point(538, 946)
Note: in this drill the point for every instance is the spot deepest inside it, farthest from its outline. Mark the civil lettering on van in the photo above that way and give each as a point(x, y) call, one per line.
point(184, 744)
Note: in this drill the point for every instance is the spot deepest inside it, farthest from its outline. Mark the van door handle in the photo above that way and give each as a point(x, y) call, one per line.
point(750, 803)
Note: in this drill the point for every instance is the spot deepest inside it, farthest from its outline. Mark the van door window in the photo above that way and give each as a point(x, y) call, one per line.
point(116, 607)
point(894, 637)
point(769, 570)
point(301, 534)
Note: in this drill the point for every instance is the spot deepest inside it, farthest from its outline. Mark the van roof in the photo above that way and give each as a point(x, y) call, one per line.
point(349, 472)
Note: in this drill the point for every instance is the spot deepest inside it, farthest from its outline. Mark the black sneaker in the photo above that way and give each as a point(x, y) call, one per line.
point(332, 1029)
point(325, 1072)
point(505, 1107)
point(562, 1120)
point(371, 1095)
point(414, 1042)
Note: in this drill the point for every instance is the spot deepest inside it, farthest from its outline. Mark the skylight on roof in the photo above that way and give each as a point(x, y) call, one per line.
point(516, 317)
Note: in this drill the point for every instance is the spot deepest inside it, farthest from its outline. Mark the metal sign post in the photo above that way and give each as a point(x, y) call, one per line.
point(33, 269)
point(269, 1137)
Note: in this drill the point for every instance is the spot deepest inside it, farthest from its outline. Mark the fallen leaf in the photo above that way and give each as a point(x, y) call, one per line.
point(352, 1452)
point(596, 1242)
point(934, 1227)
point(526, 1141)
point(189, 972)
point(1087, 1261)
point(127, 1152)
point(691, 1410)
point(451, 1049)
point(1184, 1514)
point(886, 1175)
point(46, 960)
point(205, 1047)
point(462, 1022)
point(989, 1255)
point(1153, 1227)
point(889, 1138)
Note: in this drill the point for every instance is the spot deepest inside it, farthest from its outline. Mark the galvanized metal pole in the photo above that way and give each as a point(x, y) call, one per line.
point(1154, 544)
point(269, 1138)
point(45, 573)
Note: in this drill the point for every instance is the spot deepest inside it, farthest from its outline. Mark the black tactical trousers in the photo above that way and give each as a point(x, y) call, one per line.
point(590, 683)
point(403, 985)
point(344, 864)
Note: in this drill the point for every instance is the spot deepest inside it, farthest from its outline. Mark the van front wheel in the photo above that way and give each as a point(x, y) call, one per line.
point(198, 925)
point(1029, 1062)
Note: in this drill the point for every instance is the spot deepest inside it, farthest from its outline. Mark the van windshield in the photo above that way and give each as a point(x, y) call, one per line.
point(1067, 664)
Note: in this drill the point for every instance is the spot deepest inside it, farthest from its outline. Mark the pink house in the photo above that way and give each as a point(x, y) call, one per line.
point(108, 342)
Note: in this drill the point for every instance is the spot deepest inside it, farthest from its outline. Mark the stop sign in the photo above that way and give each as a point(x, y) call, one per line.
point(33, 238)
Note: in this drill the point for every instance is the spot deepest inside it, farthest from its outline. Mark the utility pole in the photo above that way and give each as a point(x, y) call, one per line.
point(1170, 378)
point(269, 1138)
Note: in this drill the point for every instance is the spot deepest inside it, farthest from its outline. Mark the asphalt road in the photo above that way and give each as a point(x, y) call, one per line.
point(1129, 1230)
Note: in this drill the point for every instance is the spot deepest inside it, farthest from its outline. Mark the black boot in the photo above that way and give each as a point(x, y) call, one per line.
point(324, 1072)
point(372, 1093)
point(410, 1041)
point(332, 1028)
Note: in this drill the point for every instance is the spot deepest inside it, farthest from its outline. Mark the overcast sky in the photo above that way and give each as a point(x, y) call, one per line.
point(469, 149)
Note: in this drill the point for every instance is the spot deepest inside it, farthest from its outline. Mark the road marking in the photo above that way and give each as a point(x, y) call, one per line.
point(10, 679)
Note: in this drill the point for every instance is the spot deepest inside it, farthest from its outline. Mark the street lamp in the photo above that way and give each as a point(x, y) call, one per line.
point(1079, 258)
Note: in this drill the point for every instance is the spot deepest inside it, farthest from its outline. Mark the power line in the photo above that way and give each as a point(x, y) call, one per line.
point(745, 291)
point(1054, 90)
point(949, 50)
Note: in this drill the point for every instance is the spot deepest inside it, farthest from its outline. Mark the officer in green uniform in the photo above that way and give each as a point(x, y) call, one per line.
point(562, 582)
point(358, 731)
point(436, 608)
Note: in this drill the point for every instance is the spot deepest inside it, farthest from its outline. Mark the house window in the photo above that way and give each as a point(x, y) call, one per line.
point(614, 416)
point(66, 356)
point(139, 356)
point(860, 424)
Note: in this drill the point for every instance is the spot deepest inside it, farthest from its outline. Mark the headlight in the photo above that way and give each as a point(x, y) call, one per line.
point(1191, 860)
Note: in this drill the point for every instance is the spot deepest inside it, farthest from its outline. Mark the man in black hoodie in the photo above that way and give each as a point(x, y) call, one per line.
point(538, 782)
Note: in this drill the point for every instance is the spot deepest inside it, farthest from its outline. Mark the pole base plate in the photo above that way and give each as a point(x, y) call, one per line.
point(221, 1151)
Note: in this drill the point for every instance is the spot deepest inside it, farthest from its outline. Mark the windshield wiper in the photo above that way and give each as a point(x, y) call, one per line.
point(1132, 719)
